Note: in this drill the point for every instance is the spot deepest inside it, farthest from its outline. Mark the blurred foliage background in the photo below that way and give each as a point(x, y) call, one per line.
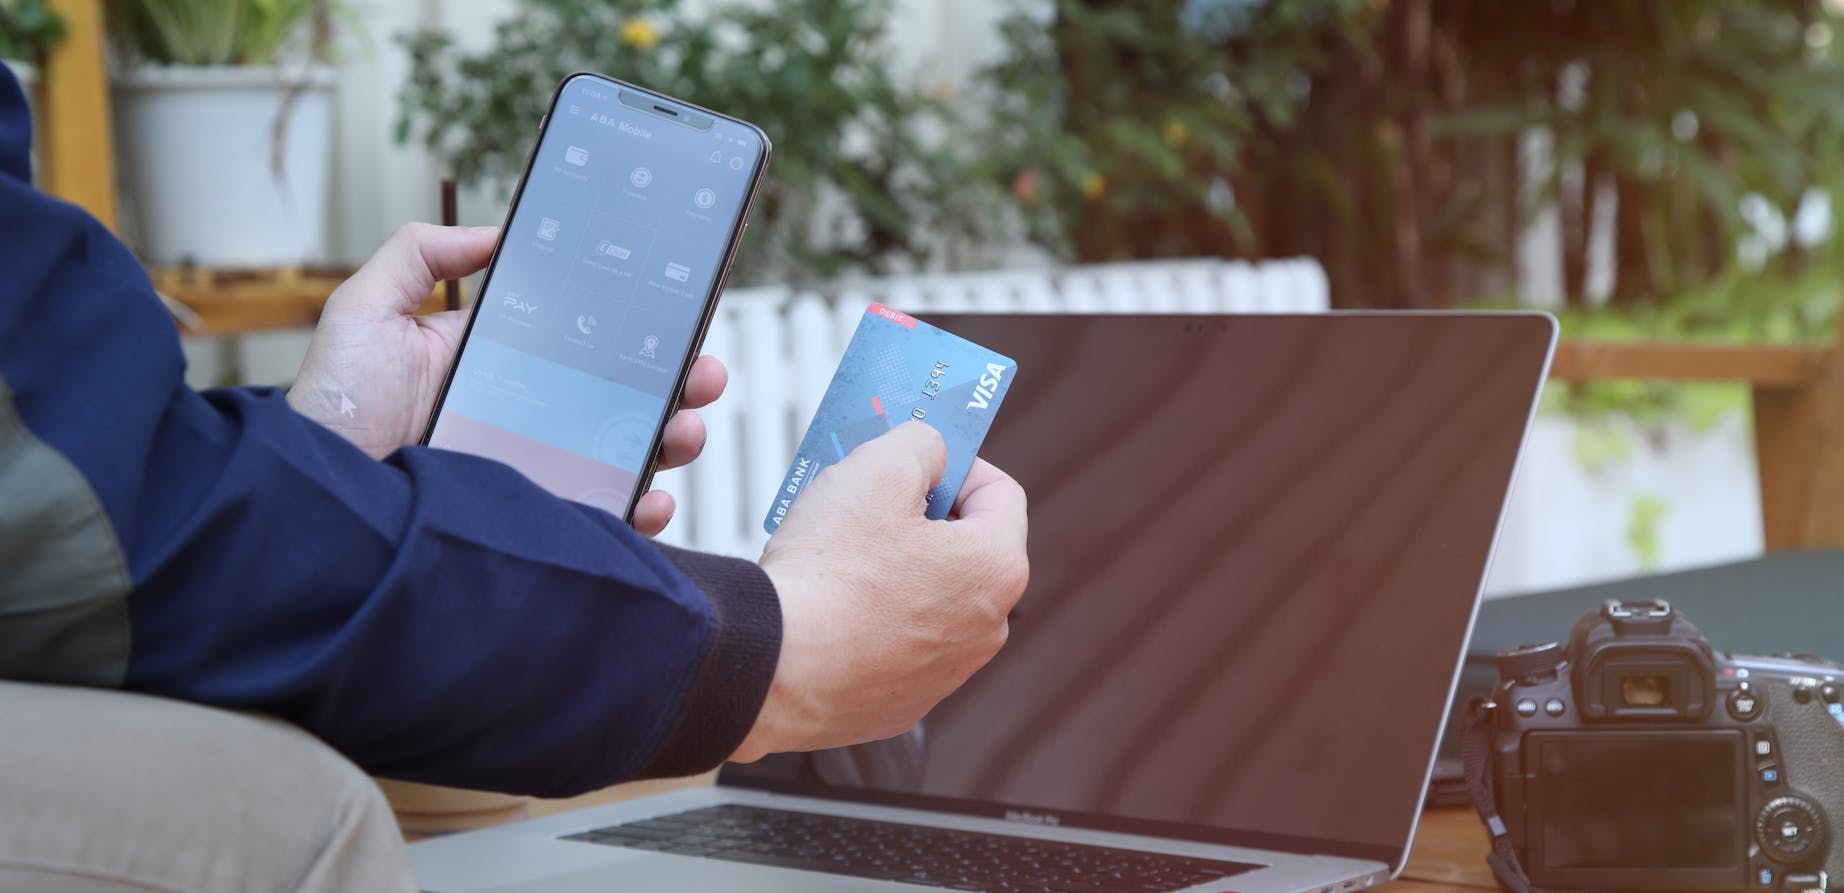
point(859, 176)
point(1406, 144)
point(218, 32)
point(27, 29)
point(1393, 140)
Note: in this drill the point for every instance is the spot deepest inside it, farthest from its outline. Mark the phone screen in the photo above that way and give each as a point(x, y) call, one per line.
point(600, 289)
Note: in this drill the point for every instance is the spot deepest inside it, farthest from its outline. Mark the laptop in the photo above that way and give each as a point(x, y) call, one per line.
point(1257, 547)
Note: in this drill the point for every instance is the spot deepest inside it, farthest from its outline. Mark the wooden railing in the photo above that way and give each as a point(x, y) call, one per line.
point(1798, 393)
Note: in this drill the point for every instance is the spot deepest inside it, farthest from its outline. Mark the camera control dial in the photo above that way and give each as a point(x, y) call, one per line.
point(1790, 828)
point(1540, 659)
point(1744, 703)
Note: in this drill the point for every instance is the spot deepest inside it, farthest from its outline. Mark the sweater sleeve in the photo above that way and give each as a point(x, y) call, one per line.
point(730, 688)
point(435, 616)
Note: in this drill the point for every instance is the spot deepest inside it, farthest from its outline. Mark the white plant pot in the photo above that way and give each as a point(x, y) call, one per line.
point(206, 184)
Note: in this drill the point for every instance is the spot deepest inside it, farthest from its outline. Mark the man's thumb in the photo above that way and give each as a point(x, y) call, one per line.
point(906, 462)
point(403, 273)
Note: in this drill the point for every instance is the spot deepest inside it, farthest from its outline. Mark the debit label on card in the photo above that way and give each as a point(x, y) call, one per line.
point(899, 368)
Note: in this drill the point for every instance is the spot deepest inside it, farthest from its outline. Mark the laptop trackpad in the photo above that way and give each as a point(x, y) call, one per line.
point(686, 874)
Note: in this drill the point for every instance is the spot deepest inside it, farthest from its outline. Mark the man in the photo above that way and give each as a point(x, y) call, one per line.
point(430, 615)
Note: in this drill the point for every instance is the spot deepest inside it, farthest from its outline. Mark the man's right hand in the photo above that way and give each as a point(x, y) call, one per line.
point(885, 612)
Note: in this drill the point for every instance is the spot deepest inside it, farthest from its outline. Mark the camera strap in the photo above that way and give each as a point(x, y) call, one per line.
point(1476, 763)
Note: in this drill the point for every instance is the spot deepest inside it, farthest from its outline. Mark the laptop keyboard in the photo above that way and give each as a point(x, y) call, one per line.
point(913, 854)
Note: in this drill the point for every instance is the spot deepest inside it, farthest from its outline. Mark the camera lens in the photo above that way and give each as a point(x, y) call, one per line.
point(1644, 691)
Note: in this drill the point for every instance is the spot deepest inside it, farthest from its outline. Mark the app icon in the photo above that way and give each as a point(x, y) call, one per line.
point(547, 229)
point(649, 345)
point(612, 250)
point(717, 157)
point(640, 177)
point(585, 324)
point(576, 155)
point(515, 301)
point(575, 109)
point(736, 164)
point(705, 198)
point(680, 272)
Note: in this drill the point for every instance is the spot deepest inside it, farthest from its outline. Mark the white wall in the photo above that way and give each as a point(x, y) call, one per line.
point(1568, 523)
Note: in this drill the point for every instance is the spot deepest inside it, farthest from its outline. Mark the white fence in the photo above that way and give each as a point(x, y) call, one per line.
point(782, 347)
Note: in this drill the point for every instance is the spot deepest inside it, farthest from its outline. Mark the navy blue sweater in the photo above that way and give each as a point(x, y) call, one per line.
point(434, 616)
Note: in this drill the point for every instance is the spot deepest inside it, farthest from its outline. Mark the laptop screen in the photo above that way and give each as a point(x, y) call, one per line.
point(1256, 545)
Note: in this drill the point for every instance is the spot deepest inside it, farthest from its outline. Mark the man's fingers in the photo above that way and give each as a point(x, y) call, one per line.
point(906, 462)
point(924, 443)
point(653, 512)
point(991, 500)
point(451, 252)
point(402, 275)
point(991, 518)
point(705, 383)
point(982, 474)
point(684, 439)
point(685, 431)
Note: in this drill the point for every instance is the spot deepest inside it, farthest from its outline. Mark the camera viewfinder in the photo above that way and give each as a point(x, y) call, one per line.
point(1645, 691)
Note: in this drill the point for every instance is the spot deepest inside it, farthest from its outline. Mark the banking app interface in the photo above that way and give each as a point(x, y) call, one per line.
point(593, 303)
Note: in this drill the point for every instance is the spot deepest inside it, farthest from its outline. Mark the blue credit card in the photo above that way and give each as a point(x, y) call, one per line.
point(899, 368)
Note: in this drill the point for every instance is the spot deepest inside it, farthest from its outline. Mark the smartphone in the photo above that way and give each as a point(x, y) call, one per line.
point(599, 292)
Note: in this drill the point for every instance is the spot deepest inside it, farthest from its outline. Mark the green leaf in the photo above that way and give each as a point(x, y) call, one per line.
point(1642, 528)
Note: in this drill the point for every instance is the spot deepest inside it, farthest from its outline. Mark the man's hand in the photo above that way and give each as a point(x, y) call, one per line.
point(885, 612)
point(374, 367)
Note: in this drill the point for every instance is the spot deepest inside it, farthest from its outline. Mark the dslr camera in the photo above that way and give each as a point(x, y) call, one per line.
point(1638, 757)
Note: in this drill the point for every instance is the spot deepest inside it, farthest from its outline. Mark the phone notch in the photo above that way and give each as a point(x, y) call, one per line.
point(658, 108)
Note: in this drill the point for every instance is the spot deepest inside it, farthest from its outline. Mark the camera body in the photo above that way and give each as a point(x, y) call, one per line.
point(1638, 757)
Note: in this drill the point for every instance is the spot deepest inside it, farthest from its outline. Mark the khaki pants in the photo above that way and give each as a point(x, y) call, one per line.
point(105, 792)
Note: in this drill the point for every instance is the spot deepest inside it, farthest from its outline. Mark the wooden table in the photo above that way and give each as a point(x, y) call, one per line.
point(217, 303)
point(1449, 855)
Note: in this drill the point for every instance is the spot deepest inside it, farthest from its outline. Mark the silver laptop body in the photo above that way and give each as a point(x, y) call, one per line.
point(1257, 547)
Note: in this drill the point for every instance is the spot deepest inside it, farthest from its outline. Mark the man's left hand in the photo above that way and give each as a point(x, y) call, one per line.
point(374, 368)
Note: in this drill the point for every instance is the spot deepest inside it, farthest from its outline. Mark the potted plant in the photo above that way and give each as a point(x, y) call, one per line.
point(223, 119)
point(865, 177)
point(27, 30)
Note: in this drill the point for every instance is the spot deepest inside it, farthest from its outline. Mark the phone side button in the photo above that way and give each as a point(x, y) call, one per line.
point(723, 279)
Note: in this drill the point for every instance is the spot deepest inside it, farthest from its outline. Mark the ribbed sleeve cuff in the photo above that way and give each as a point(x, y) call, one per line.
point(732, 682)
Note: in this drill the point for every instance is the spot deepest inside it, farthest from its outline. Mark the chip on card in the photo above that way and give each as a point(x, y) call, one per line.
point(898, 368)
